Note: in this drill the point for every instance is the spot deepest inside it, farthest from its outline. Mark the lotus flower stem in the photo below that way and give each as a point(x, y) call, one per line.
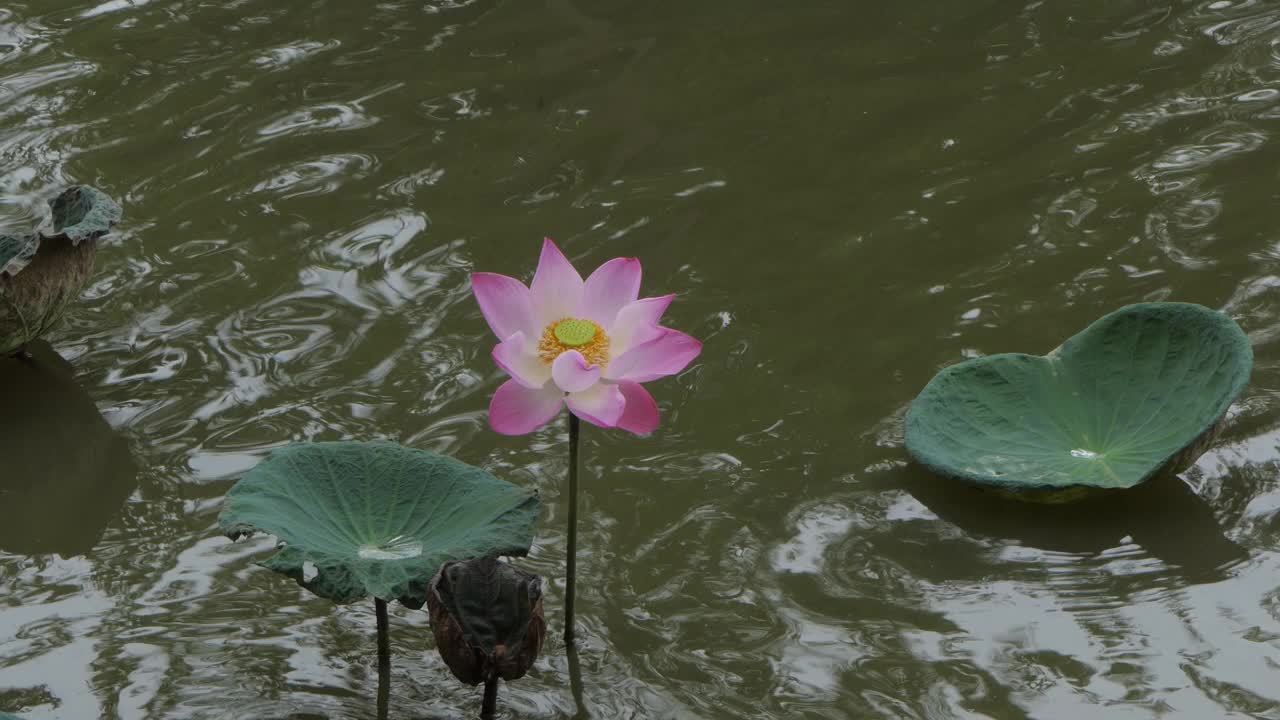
point(490, 697)
point(571, 566)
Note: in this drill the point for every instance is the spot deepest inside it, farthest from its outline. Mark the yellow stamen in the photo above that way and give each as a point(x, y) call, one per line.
point(574, 334)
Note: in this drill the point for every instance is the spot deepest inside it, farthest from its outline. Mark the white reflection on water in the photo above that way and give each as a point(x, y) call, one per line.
point(113, 6)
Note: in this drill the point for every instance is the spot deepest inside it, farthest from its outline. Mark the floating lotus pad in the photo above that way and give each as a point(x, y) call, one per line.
point(1110, 408)
point(83, 213)
point(375, 518)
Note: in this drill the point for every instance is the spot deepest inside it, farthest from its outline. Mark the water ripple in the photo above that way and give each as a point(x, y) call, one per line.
point(845, 201)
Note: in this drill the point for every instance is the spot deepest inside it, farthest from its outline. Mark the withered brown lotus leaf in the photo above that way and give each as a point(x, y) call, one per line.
point(486, 616)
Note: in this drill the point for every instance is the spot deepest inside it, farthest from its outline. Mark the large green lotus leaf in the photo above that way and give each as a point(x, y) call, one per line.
point(1109, 408)
point(375, 518)
point(81, 212)
point(16, 251)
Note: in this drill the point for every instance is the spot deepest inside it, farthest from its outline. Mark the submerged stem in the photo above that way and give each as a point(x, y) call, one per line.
point(490, 705)
point(384, 658)
point(571, 567)
point(575, 684)
point(384, 693)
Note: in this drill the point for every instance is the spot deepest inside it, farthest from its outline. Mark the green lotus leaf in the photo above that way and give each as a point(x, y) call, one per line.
point(1137, 392)
point(375, 518)
point(16, 251)
point(81, 212)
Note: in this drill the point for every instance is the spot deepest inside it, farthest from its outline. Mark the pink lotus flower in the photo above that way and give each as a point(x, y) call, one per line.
point(587, 345)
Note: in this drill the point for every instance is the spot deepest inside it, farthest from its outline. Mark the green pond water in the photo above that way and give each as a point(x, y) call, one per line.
point(847, 196)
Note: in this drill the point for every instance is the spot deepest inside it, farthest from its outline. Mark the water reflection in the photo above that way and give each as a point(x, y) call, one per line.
point(1164, 516)
point(66, 473)
point(575, 683)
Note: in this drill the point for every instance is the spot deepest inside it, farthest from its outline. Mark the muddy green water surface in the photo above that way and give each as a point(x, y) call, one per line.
point(847, 196)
